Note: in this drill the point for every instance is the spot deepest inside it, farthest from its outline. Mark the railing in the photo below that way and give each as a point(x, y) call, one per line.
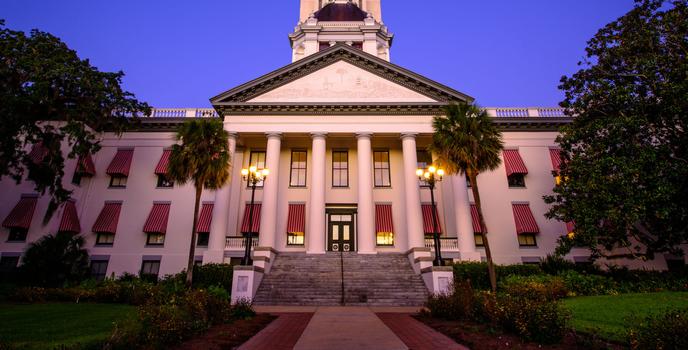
point(183, 113)
point(530, 112)
point(238, 243)
point(448, 244)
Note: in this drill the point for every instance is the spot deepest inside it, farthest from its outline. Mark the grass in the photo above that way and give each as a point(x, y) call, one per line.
point(609, 316)
point(46, 326)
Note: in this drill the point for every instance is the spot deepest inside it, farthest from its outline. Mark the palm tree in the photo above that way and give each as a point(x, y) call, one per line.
point(202, 156)
point(466, 141)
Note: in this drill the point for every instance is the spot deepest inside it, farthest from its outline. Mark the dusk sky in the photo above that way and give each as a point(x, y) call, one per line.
point(180, 53)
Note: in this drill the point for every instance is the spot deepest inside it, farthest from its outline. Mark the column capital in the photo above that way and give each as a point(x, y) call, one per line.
point(409, 135)
point(274, 134)
point(318, 134)
point(364, 135)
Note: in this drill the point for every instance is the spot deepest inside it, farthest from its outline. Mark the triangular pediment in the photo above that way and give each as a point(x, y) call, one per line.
point(339, 75)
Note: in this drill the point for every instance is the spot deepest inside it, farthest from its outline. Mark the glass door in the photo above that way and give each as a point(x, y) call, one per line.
point(341, 232)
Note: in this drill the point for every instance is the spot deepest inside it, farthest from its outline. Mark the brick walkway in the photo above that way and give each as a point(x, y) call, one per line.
point(416, 335)
point(281, 334)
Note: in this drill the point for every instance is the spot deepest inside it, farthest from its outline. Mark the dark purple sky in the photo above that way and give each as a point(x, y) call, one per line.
point(180, 53)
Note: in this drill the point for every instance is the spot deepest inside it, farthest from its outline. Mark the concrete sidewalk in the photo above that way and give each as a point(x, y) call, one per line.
point(345, 328)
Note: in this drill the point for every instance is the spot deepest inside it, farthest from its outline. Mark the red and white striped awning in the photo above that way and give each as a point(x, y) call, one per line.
point(121, 163)
point(21, 215)
point(205, 218)
point(256, 219)
point(108, 218)
point(555, 155)
point(70, 218)
point(85, 166)
point(38, 153)
point(427, 220)
point(525, 221)
point(513, 162)
point(161, 168)
point(383, 218)
point(475, 219)
point(296, 223)
point(157, 219)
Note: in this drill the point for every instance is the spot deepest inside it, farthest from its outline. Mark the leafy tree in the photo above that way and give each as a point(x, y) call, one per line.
point(203, 158)
point(625, 172)
point(55, 260)
point(50, 95)
point(466, 141)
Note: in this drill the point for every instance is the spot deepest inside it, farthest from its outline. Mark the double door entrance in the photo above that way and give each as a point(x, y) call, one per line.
point(341, 230)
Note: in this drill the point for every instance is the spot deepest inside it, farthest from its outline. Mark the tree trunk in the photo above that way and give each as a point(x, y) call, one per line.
point(192, 246)
point(473, 176)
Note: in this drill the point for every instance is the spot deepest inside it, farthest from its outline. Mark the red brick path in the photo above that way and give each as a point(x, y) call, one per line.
point(416, 335)
point(281, 334)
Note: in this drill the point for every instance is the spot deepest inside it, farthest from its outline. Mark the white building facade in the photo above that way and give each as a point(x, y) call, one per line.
point(342, 131)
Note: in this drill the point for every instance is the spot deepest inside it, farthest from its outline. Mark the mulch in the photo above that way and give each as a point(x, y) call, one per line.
point(483, 337)
point(229, 336)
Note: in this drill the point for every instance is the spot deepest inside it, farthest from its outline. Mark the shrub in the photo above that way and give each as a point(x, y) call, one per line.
point(585, 284)
point(55, 260)
point(538, 320)
point(458, 305)
point(476, 272)
point(665, 331)
point(208, 275)
point(242, 310)
point(541, 287)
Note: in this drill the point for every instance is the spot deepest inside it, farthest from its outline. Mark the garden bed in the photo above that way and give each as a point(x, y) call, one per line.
point(229, 336)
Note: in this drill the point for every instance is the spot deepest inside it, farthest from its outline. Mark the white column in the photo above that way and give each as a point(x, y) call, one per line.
point(316, 214)
point(464, 223)
point(268, 214)
point(366, 210)
point(218, 228)
point(414, 216)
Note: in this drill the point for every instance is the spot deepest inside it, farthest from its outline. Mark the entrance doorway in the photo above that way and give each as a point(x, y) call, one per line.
point(340, 231)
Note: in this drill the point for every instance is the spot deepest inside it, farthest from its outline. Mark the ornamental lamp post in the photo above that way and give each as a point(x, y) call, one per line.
point(432, 175)
point(253, 176)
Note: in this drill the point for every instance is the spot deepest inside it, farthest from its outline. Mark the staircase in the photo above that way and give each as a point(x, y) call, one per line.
point(368, 280)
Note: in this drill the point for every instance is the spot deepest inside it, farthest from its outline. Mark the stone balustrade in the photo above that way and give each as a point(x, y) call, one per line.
point(238, 243)
point(448, 244)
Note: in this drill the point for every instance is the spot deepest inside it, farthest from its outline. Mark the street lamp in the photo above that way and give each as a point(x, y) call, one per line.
point(253, 176)
point(431, 176)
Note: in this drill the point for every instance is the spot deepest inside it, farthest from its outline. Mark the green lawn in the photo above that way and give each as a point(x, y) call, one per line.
point(609, 315)
point(45, 326)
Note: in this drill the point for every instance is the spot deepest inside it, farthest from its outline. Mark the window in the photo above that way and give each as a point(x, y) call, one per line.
point(257, 159)
point(479, 240)
point(424, 160)
point(149, 270)
point(17, 234)
point(527, 240)
point(340, 168)
point(164, 182)
point(105, 239)
point(324, 45)
point(76, 178)
point(517, 181)
point(381, 169)
point(385, 238)
point(155, 239)
point(295, 238)
point(298, 169)
point(8, 263)
point(203, 239)
point(99, 269)
point(118, 181)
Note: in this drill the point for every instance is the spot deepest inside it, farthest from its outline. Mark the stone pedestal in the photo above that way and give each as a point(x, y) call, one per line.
point(438, 279)
point(245, 282)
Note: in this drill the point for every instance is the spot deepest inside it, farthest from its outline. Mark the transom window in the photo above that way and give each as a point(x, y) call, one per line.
point(527, 240)
point(257, 159)
point(17, 234)
point(118, 181)
point(150, 269)
point(298, 169)
point(381, 169)
point(105, 239)
point(340, 168)
point(155, 239)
